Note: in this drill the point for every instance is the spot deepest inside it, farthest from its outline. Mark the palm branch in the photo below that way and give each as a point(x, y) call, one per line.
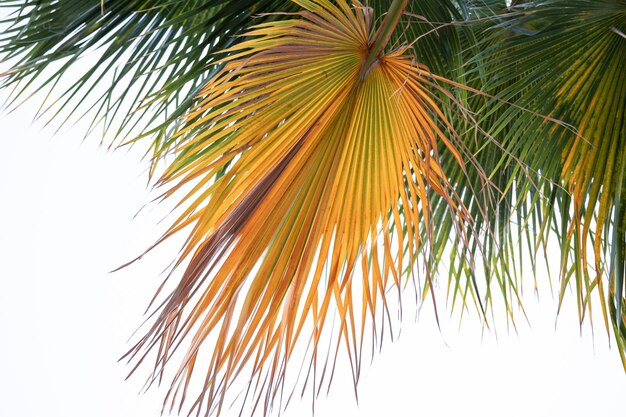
point(332, 150)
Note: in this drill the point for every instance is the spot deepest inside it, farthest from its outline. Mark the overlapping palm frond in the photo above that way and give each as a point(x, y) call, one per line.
point(312, 167)
point(564, 59)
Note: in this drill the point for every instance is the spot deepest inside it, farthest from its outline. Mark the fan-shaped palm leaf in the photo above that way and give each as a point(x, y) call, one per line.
point(312, 158)
point(566, 59)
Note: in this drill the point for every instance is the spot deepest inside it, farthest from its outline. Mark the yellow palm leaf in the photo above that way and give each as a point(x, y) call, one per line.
point(306, 167)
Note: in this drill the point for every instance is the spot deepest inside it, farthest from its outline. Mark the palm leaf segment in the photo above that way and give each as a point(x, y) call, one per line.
point(310, 171)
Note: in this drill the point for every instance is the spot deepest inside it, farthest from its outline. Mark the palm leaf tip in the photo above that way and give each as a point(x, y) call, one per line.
point(308, 180)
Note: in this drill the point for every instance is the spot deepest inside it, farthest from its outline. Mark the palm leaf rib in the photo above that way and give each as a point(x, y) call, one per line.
point(325, 166)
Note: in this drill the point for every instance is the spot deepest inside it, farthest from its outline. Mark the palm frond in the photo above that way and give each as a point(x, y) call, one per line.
point(151, 57)
point(566, 60)
point(311, 172)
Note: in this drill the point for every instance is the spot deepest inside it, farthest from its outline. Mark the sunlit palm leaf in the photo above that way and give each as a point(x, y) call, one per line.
point(311, 174)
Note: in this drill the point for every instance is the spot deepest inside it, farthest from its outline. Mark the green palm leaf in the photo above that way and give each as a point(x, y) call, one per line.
point(565, 60)
point(147, 56)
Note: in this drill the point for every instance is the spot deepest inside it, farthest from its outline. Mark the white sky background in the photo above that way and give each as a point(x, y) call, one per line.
point(66, 219)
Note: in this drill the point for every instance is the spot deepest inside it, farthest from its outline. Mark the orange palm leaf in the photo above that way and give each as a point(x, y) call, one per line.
point(310, 175)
